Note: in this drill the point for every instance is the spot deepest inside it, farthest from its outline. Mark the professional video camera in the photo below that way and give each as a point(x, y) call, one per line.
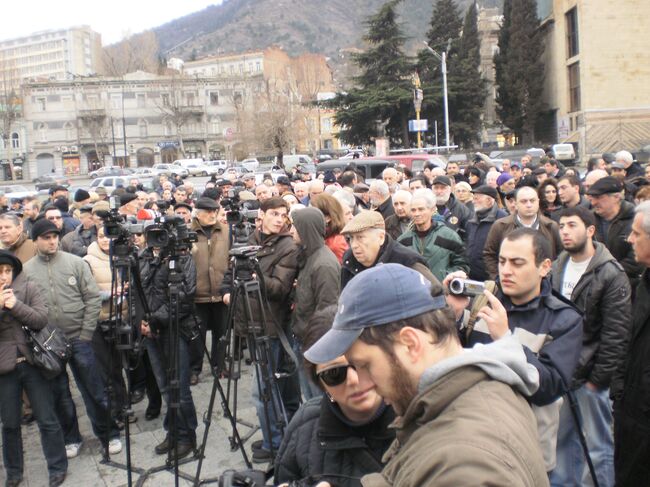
point(169, 232)
point(240, 215)
point(117, 228)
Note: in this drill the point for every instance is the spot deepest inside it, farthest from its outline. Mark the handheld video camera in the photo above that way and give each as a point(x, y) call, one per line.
point(466, 287)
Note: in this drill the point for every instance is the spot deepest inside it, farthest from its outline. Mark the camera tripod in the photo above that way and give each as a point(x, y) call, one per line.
point(118, 334)
point(248, 302)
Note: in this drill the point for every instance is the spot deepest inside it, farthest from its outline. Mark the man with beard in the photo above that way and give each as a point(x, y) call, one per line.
point(486, 212)
point(371, 245)
point(454, 213)
point(398, 223)
point(590, 277)
point(403, 344)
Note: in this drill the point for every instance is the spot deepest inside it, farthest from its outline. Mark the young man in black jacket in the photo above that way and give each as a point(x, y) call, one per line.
point(588, 275)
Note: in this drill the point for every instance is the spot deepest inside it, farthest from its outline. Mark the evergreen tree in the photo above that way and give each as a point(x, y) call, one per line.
point(466, 86)
point(445, 24)
point(519, 69)
point(383, 89)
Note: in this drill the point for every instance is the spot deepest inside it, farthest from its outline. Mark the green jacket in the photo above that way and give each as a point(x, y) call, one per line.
point(441, 247)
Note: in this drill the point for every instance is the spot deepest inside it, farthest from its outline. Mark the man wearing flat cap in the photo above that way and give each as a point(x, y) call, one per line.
point(129, 204)
point(397, 331)
point(614, 217)
point(77, 241)
point(370, 245)
point(486, 212)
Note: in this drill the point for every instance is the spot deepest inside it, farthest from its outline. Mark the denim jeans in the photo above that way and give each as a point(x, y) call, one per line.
point(157, 349)
point(596, 416)
point(40, 394)
point(307, 387)
point(88, 376)
point(211, 316)
point(275, 406)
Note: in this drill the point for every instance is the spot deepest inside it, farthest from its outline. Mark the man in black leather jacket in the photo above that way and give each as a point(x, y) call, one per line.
point(155, 275)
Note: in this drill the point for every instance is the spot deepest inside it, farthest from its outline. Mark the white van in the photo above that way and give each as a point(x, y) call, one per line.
point(184, 162)
point(564, 152)
point(292, 160)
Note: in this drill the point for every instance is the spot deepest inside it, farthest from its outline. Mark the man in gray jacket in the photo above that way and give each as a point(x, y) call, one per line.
point(73, 305)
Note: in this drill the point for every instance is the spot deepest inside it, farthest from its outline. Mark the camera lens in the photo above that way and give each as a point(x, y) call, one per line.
point(456, 286)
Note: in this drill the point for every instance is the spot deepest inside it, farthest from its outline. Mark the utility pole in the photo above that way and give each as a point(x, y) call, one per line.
point(443, 62)
point(418, 96)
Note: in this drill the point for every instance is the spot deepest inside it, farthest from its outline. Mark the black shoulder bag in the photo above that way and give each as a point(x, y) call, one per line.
point(50, 349)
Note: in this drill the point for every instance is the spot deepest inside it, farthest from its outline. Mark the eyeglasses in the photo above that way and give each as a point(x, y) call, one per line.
point(55, 218)
point(336, 375)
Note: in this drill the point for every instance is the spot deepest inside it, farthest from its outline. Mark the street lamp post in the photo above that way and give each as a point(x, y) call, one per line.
point(443, 62)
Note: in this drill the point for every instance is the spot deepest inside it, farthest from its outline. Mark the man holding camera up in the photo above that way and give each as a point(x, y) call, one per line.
point(278, 268)
point(548, 327)
point(210, 254)
point(155, 271)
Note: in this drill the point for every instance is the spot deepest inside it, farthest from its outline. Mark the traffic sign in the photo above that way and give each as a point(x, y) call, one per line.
point(418, 125)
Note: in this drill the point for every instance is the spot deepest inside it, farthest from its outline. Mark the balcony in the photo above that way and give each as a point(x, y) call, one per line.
point(95, 113)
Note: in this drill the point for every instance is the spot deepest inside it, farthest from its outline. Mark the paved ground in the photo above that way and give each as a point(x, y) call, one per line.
point(87, 469)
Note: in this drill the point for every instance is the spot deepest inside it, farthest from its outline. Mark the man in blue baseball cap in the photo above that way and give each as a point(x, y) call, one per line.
point(473, 425)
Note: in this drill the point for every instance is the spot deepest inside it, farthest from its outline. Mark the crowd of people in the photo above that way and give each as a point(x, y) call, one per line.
point(399, 381)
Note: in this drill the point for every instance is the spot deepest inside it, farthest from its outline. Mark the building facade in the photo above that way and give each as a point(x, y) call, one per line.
point(50, 55)
point(597, 73)
point(76, 126)
point(489, 23)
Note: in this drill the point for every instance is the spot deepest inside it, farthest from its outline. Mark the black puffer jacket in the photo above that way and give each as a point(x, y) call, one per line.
point(616, 241)
point(391, 252)
point(319, 444)
point(603, 295)
point(154, 274)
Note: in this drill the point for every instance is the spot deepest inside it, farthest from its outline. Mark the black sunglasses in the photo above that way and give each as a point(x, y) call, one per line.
point(336, 375)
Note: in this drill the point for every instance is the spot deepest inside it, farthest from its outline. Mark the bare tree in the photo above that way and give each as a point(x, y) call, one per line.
point(10, 107)
point(133, 53)
point(178, 106)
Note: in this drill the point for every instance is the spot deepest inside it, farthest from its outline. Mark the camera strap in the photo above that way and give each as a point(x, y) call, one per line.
point(479, 301)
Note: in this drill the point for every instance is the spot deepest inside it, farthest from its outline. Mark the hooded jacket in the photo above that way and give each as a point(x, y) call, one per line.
point(318, 283)
point(477, 231)
point(469, 424)
point(603, 295)
point(100, 266)
point(319, 441)
point(391, 252)
point(73, 301)
point(30, 310)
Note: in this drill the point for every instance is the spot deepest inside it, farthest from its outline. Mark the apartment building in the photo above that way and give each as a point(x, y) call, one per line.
point(597, 73)
point(50, 55)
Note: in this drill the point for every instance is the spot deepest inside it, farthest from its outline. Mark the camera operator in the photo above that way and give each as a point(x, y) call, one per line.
point(548, 326)
point(210, 254)
point(154, 274)
point(463, 420)
point(278, 266)
point(340, 435)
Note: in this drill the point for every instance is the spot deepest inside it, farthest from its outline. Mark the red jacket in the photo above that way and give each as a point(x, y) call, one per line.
point(338, 245)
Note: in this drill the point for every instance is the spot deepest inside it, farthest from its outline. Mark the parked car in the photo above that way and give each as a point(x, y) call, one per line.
point(250, 163)
point(107, 171)
point(49, 180)
point(16, 191)
point(642, 156)
point(199, 169)
point(220, 164)
point(143, 171)
point(110, 183)
point(292, 160)
point(565, 153)
point(169, 169)
point(371, 166)
point(415, 162)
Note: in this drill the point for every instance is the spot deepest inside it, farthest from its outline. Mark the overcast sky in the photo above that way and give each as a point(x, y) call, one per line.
point(112, 18)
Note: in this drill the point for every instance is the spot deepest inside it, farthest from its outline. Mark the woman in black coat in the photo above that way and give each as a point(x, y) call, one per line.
point(340, 436)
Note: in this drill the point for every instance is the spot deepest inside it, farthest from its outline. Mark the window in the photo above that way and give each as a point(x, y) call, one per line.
point(237, 98)
point(241, 68)
point(142, 127)
point(215, 125)
point(571, 18)
point(15, 141)
point(116, 101)
point(42, 132)
point(574, 87)
point(67, 127)
point(258, 66)
point(327, 125)
point(165, 99)
point(41, 103)
point(190, 99)
point(141, 100)
point(214, 98)
point(168, 128)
